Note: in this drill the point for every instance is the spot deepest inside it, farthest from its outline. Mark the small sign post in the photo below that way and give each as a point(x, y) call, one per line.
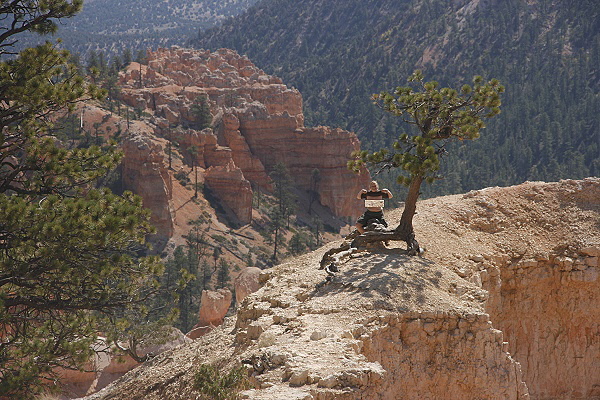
point(374, 203)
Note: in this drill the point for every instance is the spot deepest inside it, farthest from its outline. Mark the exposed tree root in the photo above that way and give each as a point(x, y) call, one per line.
point(375, 237)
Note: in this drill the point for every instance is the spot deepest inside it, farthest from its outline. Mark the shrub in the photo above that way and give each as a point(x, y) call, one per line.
point(219, 386)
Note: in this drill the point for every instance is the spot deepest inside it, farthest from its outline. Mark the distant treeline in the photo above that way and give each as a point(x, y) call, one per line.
point(112, 26)
point(339, 52)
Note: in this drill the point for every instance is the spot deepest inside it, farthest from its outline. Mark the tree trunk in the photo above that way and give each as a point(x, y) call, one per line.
point(276, 240)
point(405, 228)
point(404, 231)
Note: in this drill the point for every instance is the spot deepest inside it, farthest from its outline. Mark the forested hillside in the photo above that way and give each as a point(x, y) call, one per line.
point(545, 52)
point(111, 26)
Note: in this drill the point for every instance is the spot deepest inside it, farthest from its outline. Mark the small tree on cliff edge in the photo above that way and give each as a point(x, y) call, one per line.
point(439, 116)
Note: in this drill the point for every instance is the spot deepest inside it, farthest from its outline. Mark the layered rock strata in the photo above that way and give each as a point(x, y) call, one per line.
point(388, 327)
point(145, 173)
point(257, 123)
point(534, 247)
point(547, 308)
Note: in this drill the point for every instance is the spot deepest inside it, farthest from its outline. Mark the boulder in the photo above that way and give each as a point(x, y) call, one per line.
point(213, 308)
point(247, 282)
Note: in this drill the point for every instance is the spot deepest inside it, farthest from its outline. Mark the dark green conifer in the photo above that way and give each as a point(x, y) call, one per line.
point(438, 116)
point(70, 252)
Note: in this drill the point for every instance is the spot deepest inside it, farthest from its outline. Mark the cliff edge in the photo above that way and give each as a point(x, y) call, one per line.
point(502, 305)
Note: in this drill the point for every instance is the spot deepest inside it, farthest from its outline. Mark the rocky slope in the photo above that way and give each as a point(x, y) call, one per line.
point(502, 305)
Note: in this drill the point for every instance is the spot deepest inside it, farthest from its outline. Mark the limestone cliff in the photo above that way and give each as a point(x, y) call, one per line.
point(502, 305)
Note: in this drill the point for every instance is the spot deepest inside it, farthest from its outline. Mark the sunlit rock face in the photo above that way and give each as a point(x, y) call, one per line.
point(247, 282)
point(145, 173)
point(213, 308)
point(257, 123)
point(547, 308)
point(228, 183)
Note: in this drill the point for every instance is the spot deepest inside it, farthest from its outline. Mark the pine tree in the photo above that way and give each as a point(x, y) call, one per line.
point(283, 185)
point(223, 276)
point(276, 227)
point(205, 274)
point(284, 207)
point(439, 116)
point(200, 110)
point(127, 57)
point(315, 179)
point(298, 243)
point(70, 252)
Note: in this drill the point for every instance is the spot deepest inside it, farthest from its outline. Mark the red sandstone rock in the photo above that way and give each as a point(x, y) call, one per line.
point(228, 183)
point(258, 122)
point(213, 308)
point(243, 157)
point(145, 173)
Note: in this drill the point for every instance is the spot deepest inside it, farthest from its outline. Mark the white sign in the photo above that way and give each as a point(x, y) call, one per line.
point(374, 203)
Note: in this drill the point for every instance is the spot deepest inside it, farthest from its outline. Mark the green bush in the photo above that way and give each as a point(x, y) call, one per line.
point(216, 385)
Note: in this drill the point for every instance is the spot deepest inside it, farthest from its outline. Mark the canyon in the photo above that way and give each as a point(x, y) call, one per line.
point(204, 179)
point(257, 123)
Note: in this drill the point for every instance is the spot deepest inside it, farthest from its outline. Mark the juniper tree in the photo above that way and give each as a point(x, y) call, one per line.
point(437, 116)
point(69, 252)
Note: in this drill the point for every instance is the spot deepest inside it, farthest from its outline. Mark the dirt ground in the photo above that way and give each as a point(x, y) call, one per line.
point(303, 321)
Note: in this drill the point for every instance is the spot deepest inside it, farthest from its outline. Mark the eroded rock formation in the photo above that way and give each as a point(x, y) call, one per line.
point(257, 123)
point(229, 184)
point(537, 258)
point(247, 282)
point(145, 173)
point(547, 308)
point(213, 308)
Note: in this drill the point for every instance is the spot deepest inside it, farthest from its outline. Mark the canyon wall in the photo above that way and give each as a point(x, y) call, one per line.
point(548, 309)
point(534, 248)
point(257, 123)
